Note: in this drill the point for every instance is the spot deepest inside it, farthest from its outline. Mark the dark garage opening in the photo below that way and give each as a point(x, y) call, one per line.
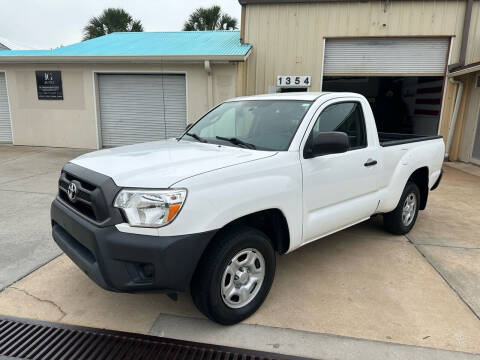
point(408, 104)
point(295, 89)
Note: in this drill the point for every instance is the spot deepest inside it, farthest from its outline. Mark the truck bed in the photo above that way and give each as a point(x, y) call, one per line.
point(392, 139)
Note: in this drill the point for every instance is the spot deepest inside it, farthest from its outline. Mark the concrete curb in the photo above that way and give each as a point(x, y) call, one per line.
point(294, 342)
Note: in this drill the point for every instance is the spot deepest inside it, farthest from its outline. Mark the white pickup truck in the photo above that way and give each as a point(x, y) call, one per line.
point(255, 176)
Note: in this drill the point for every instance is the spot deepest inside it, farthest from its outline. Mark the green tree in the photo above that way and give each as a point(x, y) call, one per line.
point(210, 18)
point(111, 20)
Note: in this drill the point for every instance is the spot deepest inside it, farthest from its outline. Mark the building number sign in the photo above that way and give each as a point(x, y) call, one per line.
point(294, 80)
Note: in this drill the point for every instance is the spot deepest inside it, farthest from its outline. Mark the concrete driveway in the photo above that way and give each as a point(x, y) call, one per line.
point(28, 184)
point(358, 294)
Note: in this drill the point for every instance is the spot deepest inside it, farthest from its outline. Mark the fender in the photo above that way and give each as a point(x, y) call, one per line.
point(413, 158)
point(227, 194)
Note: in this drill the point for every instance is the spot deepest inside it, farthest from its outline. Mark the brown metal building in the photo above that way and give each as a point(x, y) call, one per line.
point(417, 61)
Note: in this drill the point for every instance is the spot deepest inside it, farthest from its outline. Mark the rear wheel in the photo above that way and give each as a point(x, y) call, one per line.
point(401, 220)
point(235, 275)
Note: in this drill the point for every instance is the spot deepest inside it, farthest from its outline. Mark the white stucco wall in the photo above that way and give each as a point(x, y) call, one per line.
point(72, 122)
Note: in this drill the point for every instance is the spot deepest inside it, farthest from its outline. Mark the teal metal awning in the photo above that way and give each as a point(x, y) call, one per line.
point(197, 45)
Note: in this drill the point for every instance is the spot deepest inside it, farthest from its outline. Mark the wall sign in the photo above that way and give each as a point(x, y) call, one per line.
point(49, 85)
point(294, 81)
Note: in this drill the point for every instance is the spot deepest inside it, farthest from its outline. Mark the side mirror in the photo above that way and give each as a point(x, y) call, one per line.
point(188, 126)
point(326, 143)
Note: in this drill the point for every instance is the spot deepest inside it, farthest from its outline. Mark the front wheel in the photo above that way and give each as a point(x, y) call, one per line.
point(235, 275)
point(401, 220)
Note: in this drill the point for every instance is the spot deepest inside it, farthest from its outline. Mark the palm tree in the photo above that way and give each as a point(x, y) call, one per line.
point(111, 20)
point(210, 18)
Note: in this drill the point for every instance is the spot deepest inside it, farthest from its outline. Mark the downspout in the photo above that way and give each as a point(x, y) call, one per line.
point(242, 24)
point(458, 99)
point(208, 70)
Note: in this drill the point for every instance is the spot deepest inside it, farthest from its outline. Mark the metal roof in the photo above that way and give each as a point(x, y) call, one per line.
point(198, 44)
point(466, 69)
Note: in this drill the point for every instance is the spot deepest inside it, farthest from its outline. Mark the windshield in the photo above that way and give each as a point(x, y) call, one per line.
point(254, 124)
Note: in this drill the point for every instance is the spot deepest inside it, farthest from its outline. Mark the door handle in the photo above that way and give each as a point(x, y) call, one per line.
point(370, 162)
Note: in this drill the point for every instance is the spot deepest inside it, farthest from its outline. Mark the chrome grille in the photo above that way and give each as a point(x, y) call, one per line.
point(86, 197)
point(95, 195)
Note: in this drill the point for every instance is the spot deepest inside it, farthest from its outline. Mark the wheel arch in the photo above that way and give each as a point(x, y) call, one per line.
point(420, 177)
point(272, 222)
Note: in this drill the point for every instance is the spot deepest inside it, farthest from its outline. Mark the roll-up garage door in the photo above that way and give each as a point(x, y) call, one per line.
point(386, 56)
point(139, 108)
point(5, 124)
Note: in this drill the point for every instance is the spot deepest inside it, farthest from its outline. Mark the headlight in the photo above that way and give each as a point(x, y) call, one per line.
point(150, 208)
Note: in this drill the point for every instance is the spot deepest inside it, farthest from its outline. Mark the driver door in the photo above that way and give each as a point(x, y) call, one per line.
point(339, 189)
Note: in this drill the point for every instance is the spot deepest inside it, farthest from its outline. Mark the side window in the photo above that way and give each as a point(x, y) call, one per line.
point(345, 117)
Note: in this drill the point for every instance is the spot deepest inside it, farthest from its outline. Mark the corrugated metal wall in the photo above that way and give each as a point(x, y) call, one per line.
point(288, 38)
point(473, 49)
point(469, 116)
point(458, 139)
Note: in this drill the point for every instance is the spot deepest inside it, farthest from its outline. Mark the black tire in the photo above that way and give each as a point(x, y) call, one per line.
point(206, 286)
point(393, 221)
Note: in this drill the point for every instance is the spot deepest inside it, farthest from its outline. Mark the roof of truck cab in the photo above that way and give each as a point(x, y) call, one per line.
point(302, 96)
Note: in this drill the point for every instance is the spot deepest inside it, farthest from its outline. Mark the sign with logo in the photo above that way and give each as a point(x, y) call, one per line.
point(300, 81)
point(49, 85)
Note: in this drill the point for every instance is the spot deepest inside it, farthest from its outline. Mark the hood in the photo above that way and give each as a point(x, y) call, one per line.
point(161, 164)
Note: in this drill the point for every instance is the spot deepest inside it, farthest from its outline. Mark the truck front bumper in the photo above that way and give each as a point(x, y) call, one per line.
point(119, 261)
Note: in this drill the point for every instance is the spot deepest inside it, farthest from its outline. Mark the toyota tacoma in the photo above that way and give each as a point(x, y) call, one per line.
point(254, 177)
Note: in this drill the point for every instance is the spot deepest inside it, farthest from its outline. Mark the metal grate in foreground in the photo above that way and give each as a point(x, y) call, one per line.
point(30, 339)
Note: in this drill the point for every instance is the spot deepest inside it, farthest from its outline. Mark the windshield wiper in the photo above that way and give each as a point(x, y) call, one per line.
point(236, 141)
point(196, 137)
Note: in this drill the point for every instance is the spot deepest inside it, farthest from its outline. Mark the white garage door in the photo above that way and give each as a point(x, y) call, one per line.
point(386, 56)
point(141, 108)
point(5, 124)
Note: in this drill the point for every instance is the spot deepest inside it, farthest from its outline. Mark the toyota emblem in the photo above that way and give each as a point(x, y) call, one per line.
point(72, 192)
